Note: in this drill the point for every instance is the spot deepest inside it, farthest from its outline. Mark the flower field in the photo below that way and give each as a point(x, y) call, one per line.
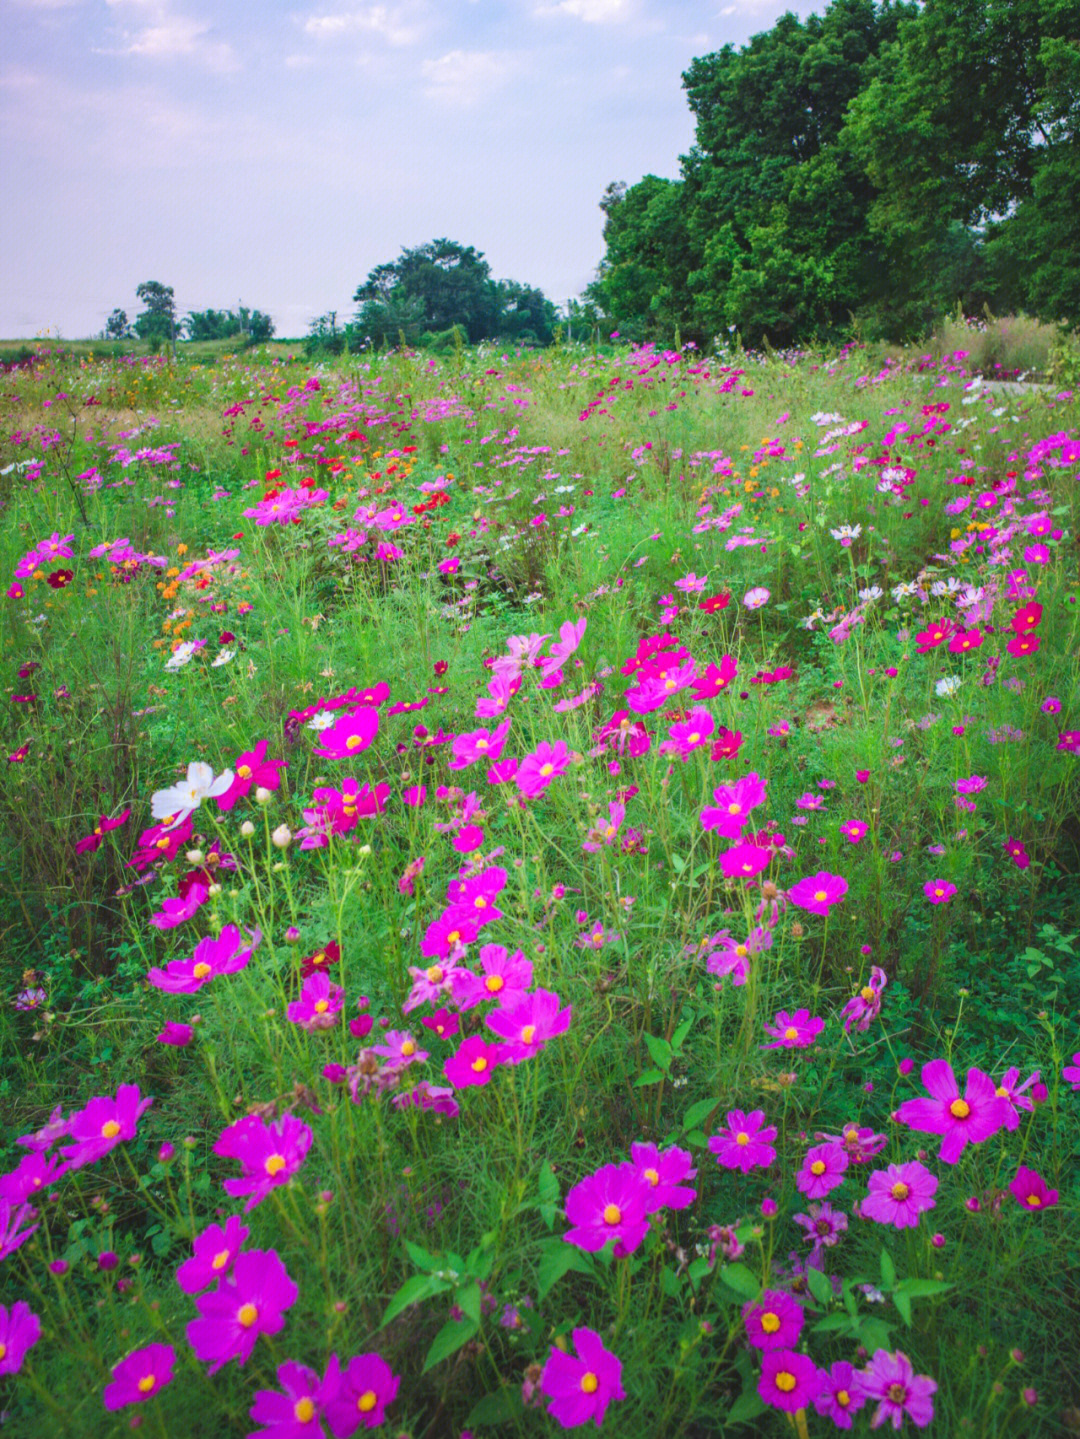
point(539, 889)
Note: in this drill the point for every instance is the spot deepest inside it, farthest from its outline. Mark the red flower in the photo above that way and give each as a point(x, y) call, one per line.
point(321, 960)
point(1023, 644)
point(715, 602)
point(60, 579)
point(1026, 618)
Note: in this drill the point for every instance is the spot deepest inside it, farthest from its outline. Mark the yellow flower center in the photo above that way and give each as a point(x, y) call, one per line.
point(481, 744)
point(546, 769)
point(897, 1393)
point(900, 1190)
point(454, 936)
point(959, 1109)
point(770, 1322)
point(1001, 1092)
point(110, 1129)
point(275, 1164)
point(528, 1034)
point(791, 1032)
point(220, 1259)
point(820, 896)
point(479, 1064)
point(348, 800)
point(843, 1398)
point(244, 771)
point(246, 1315)
point(694, 738)
point(494, 983)
point(367, 1401)
point(818, 1167)
point(479, 902)
point(609, 831)
point(734, 809)
point(742, 1138)
point(435, 974)
point(741, 950)
point(1034, 1201)
point(408, 1048)
point(304, 1410)
point(589, 1383)
point(146, 1383)
point(321, 1006)
point(653, 1177)
point(353, 742)
point(785, 1382)
point(867, 993)
point(3, 1351)
point(201, 970)
point(938, 893)
point(612, 1214)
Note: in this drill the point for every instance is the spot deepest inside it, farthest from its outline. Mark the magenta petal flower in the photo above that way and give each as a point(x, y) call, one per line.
point(818, 893)
point(357, 1394)
point(890, 1379)
point(215, 1251)
point(294, 1414)
point(1071, 1072)
point(249, 1302)
point(774, 1322)
point(789, 1381)
point(270, 1154)
point(664, 1170)
point(581, 1388)
point(939, 891)
point(212, 957)
point(175, 1034)
point(33, 1174)
point(839, 1396)
point(20, 1330)
point(822, 1170)
point(611, 1204)
point(349, 735)
point(745, 861)
point(103, 1124)
point(473, 1063)
point(971, 1117)
point(899, 1194)
point(745, 1144)
point(319, 1004)
point(733, 803)
point(139, 1376)
point(1031, 1191)
point(794, 1031)
point(528, 1021)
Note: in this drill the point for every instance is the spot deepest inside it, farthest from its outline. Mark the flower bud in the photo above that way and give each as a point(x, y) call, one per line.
point(195, 856)
point(247, 829)
point(263, 795)
point(281, 837)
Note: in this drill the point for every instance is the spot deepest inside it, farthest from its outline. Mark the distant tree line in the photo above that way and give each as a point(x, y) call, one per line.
point(158, 324)
point(878, 163)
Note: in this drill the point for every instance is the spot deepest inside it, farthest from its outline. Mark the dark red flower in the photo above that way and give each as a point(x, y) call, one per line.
point(60, 579)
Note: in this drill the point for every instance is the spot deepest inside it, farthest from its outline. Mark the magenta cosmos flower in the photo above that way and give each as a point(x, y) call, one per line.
point(839, 1396)
point(581, 1388)
point(505, 978)
point(664, 1171)
point(865, 1006)
point(527, 1021)
point(212, 957)
point(319, 1004)
point(357, 1394)
point(745, 1144)
point(822, 1170)
point(745, 861)
point(20, 1330)
point(733, 803)
point(853, 830)
point(939, 891)
point(139, 1376)
point(103, 1124)
point(612, 1204)
point(12, 1218)
point(1071, 1072)
point(971, 1117)
point(774, 1322)
point(269, 1153)
point(899, 1194)
point(890, 1379)
point(1031, 1191)
point(253, 770)
point(537, 770)
point(350, 735)
point(789, 1381)
point(251, 1301)
point(818, 892)
point(794, 1031)
point(294, 1412)
point(215, 1251)
point(473, 1063)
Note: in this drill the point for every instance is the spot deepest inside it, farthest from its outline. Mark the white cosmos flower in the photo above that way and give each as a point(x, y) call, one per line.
point(181, 655)
point(180, 800)
point(323, 720)
point(223, 658)
point(948, 686)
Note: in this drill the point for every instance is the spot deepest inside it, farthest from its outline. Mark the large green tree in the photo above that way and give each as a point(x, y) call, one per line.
point(157, 322)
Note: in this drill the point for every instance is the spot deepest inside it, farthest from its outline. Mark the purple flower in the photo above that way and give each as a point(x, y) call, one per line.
point(211, 958)
point(357, 1394)
point(774, 1322)
point(840, 1395)
point(794, 1031)
point(581, 1388)
point(822, 1171)
point(899, 1194)
point(178, 1035)
point(215, 1251)
point(789, 1381)
point(818, 893)
point(101, 1126)
point(745, 1144)
point(33, 1173)
point(612, 1204)
point(139, 1376)
point(664, 1170)
point(823, 1226)
point(295, 1413)
point(20, 1330)
point(270, 1154)
point(249, 1302)
point(971, 1117)
point(890, 1379)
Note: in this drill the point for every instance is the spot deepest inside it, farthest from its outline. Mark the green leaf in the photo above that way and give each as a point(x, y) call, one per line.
point(747, 1406)
point(903, 1306)
point(888, 1271)
point(421, 1258)
point(875, 1334)
point(559, 1258)
point(467, 1299)
point(698, 1112)
point(548, 1185)
point(741, 1279)
point(450, 1338)
point(669, 1282)
point(413, 1291)
point(921, 1288)
point(678, 864)
point(836, 1323)
point(660, 1051)
point(698, 1268)
point(498, 1408)
point(681, 1033)
point(819, 1284)
point(648, 1076)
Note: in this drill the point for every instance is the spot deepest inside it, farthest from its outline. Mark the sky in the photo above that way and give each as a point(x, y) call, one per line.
point(272, 154)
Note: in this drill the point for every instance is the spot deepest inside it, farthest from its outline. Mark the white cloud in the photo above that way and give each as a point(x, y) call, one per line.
point(465, 77)
point(47, 4)
point(392, 23)
point(162, 35)
point(593, 12)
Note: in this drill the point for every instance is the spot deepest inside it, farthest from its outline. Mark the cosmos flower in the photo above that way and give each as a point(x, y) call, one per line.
point(971, 1117)
point(899, 1194)
point(746, 1143)
point(581, 1388)
point(139, 1376)
point(900, 1392)
point(20, 1330)
point(250, 1301)
point(270, 1154)
point(610, 1204)
point(357, 1393)
point(103, 1124)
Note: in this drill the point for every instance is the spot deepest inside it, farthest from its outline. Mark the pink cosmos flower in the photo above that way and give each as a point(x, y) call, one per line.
point(746, 1144)
point(775, 1321)
point(103, 1124)
point(428, 1096)
point(527, 1021)
point(270, 1154)
point(899, 1194)
point(733, 803)
point(745, 861)
point(1009, 1088)
point(581, 1388)
point(853, 830)
point(964, 640)
point(430, 984)
point(664, 1170)
point(252, 1300)
point(1071, 1072)
point(690, 734)
point(139, 1376)
point(473, 1063)
point(20, 1330)
point(823, 1227)
point(794, 1031)
point(12, 1218)
point(479, 745)
point(605, 832)
point(971, 1117)
point(1069, 740)
point(349, 735)
point(789, 1381)
point(858, 1144)
point(939, 891)
point(818, 892)
point(294, 1413)
point(319, 1004)
point(400, 1049)
point(839, 1396)
point(822, 1170)
point(890, 1379)
point(710, 681)
point(756, 597)
point(732, 957)
point(560, 650)
point(93, 840)
point(211, 958)
point(253, 770)
point(537, 770)
point(1031, 1191)
point(31, 1176)
point(358, 1393)
point(866, 1005)
point(179, 1036)
point(179, 911)
point(214, 1254)
point(610, 1204)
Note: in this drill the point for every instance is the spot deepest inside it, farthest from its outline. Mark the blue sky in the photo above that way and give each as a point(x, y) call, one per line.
point(272, 153)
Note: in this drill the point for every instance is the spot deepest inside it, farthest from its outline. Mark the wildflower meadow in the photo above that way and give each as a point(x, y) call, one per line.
point(539, 890)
